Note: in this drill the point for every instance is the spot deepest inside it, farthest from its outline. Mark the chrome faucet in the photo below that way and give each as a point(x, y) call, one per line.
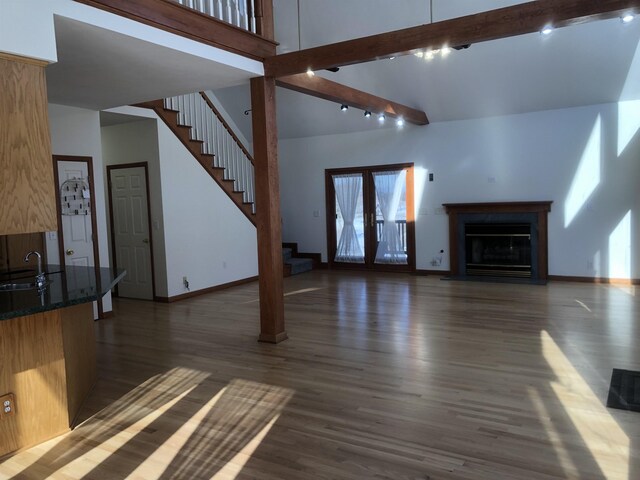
point(40, 280)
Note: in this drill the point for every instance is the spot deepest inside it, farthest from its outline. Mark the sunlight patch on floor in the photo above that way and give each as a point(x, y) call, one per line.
point(158, 461)
point(564, 457)
point(601, 434)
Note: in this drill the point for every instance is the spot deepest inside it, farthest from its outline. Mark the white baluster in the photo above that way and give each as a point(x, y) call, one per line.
point(228, 12)
point(237, 12)
point(211, 8)
point(253, 16)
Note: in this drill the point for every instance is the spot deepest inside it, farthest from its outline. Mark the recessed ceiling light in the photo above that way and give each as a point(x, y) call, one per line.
point(381, 118)
point(367, 114)
point(628, 18)
point(344, 107)
point(546, 30)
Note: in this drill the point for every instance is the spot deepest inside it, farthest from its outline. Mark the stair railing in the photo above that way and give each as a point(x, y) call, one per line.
point(195, 110)
point(240, 13)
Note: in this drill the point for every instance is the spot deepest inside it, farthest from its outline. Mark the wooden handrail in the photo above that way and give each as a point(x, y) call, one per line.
point(227, 127)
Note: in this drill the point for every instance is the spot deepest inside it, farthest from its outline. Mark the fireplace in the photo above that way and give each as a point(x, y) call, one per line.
point(507, 240)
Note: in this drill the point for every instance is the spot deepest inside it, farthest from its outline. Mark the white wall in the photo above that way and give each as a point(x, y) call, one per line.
point(528, 157)
point(133, 143)
point(206, 237)
point(76, 131)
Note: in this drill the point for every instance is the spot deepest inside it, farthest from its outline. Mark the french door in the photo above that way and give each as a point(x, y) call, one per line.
point(370, 219)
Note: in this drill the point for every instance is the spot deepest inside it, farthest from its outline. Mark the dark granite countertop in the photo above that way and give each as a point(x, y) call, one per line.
point(67, 287)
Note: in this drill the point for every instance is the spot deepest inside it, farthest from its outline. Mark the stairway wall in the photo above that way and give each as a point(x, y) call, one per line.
point(206, 237)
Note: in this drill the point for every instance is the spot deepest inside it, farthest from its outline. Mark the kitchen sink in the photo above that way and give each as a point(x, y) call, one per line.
point(12, 287)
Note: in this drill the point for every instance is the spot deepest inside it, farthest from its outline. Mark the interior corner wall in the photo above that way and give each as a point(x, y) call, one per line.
point(136, 142)
point(583, 159)
point(207, 238)
point(76, 132)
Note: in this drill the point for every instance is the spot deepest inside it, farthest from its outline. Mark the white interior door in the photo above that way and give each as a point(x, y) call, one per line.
point(130, 206)
point(76, 223)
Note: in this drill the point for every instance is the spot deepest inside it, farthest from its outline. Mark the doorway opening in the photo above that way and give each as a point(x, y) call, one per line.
point(370, 217)
point(76, 211)
point(130, 220)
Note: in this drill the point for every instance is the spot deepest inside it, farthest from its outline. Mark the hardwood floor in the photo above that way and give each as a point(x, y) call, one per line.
point(384, 376)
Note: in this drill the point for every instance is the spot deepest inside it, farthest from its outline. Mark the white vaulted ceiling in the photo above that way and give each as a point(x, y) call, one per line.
point(578, 65)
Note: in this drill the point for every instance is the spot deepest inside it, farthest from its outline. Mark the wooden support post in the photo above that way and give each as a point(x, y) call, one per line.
point(264, 19)
point(265, 152)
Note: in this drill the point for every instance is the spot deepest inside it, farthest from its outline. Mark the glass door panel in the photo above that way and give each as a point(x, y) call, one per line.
point(370, 221)
point(390, 218)
point(350, 218)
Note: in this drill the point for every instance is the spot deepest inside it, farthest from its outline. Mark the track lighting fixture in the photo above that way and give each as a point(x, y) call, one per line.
point(310, 72)
point(344, 107)
point(546, 30)
point(367, 114)
point(627, 18)
point(381, 118)
point(400, 122)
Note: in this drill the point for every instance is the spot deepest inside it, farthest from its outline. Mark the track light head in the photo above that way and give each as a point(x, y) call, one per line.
point(547, 30)
point(381, 118)
point(367, 114)
point(400, 122)
point(627, 18)
point(344, 107)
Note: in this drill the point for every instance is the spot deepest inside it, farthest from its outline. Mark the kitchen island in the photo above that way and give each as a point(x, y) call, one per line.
point(47, 351)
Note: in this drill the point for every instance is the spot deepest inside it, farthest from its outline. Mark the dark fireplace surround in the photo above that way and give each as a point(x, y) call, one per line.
point(506, 240)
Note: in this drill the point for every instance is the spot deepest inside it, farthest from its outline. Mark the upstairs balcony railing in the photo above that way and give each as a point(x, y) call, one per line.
point(240, 13)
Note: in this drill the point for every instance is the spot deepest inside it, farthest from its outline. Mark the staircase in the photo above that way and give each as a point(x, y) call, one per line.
point(294, 265)
point(204, 132)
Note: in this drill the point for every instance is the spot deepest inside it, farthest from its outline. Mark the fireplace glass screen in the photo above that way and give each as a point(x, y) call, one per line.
point(498, 249)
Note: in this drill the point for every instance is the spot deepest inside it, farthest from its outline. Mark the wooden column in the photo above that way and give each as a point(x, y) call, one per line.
point(264, 19)
point(265, 154)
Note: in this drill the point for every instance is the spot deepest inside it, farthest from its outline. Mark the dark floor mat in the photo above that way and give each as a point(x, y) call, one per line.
point(624, 392)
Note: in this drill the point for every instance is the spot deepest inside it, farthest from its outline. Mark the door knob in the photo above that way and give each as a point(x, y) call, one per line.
point(146, 240)
point(70, 252)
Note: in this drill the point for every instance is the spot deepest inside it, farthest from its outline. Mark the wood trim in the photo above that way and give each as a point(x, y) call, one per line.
point(94, 222)
point(226, 126)
point(335, 92)
point(542, 208)
point(439, 273)
point(491, 25)
point(144, 165)
point(175, 18)
point(596, 280)
point(269, 223)
point(21, 59)
point(204, 291)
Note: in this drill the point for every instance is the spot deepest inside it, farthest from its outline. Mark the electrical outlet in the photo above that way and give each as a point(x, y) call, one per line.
point(8, 403)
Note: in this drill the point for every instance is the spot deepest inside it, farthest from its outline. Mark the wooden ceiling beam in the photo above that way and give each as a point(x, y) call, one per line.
point(335, 92)
point(491, 25)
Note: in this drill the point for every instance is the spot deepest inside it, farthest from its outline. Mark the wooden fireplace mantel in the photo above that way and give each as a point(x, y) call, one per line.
point(541, 208)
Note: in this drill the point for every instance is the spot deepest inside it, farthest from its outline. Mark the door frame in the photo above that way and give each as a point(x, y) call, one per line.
point(144, 165)
point(94, 222)
point(369, 196)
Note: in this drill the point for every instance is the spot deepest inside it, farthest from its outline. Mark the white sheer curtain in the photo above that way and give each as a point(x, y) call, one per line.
point(390, 187)
point(348, 194)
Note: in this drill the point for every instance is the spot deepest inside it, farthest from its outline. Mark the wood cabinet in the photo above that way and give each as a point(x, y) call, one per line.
point(49, 365)
point(27, 195)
